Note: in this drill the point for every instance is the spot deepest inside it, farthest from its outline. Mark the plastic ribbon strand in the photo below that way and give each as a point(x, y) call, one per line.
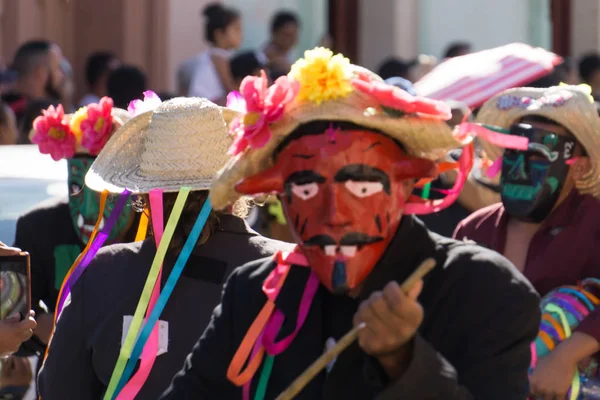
point(142, 227)
point(134, 328)
point(103, 198)
point(93, 250)
point(494, 135)
point(263, 381)
point(182, 260)
point(244, 355)
point(133, 387)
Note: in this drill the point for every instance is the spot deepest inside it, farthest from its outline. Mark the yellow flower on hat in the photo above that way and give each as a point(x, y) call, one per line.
point(322, 76)
point(76, 120)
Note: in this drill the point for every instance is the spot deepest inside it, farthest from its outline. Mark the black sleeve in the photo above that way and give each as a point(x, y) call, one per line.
point(204, 374)
point(25, 240)
point(67, 372)
point(491, 333)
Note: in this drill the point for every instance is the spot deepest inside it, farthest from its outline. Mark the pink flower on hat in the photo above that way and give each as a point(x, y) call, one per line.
point(261, 105)
point(399, 101)
point(96, 128)
point(150, 102)
point(53, 135)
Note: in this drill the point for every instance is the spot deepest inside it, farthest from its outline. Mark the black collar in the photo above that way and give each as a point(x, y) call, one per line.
point(411, 245)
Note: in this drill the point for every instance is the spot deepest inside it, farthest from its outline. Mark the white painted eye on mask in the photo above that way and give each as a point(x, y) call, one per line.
point(305, 191)
point(364, 189)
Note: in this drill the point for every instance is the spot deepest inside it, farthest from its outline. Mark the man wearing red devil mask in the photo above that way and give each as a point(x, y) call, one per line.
point(343, 151)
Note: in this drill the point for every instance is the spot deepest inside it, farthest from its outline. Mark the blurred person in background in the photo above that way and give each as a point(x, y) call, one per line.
point(98, 68)
point(247, 63)
point(125, 84)
point(16, 375)
point(212, 77)
point(40, 77)
point(457, 49)
point(393, 67)
point(8, 125)
point(589, 71)
point(284, 37)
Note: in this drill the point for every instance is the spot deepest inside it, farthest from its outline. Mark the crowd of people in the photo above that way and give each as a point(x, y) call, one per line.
point(216, 241)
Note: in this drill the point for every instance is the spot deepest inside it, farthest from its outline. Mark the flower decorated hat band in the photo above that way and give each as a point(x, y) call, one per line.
point(63, 136)
point(327, 87)
point(569, 106)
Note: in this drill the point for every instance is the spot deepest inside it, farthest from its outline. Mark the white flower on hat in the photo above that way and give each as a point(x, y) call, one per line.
point(150, 102)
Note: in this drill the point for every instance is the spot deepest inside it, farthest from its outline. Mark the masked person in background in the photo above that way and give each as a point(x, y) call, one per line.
point(156, 151)
point(56, 231)
point(548, 223)
point(343, 151)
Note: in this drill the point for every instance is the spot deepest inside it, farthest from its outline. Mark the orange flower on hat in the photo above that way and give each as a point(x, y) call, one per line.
point(322, 76)
point(96, 128)
point(53, 134)
point(261, 105)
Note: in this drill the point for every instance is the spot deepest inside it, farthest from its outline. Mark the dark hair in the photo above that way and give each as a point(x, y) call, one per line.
point(282, 18)
point(589, 64)
point(456, 48)
point(392, 67)
point(217, 18)
point(243, 64)
point(126, 83)
point(98, 64)
point(30, 55)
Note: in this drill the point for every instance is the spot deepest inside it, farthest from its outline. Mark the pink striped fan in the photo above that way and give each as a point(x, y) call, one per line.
point(476, 77)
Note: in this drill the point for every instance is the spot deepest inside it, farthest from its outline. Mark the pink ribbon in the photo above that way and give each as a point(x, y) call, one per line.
point(149, 354)
point(495, 168)
point(504, 140)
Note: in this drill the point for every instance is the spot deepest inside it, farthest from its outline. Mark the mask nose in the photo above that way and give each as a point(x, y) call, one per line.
point(334, 209)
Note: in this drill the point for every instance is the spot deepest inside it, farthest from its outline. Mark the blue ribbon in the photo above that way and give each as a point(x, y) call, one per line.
point(164, 295)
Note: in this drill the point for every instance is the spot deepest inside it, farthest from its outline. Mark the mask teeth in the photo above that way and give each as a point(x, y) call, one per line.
point(330, 250)
point(349, 251)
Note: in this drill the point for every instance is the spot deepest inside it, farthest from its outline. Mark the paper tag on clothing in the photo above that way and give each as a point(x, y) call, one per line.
point(328, 345)
point(163, 334)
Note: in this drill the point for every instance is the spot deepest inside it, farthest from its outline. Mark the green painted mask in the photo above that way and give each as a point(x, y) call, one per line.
point(84, 203)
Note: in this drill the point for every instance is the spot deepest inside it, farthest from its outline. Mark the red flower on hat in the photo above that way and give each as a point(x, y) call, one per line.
point(97, 126)
point(398, 100)
point(53, 135)
point(261, 105)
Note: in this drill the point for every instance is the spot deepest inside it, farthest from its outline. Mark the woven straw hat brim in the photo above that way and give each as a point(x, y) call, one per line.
point(577, 114)
point(421, 137)
point(187, 149)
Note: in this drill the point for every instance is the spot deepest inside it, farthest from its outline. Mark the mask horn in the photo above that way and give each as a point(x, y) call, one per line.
point(414, 168)
point(265, 182)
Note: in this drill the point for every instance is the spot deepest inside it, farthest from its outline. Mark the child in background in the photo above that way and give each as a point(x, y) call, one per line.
point(212, 77)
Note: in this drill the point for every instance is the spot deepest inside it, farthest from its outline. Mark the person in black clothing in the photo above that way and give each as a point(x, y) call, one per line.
point(345, 177)
point(56, 231)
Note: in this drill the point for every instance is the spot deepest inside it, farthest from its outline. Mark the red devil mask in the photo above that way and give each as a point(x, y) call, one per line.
point(343, 189)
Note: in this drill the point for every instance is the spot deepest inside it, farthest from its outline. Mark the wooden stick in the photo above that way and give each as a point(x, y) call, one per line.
point(349, 338)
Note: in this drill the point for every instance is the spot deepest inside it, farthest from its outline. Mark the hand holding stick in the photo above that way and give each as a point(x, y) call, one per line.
point(322, 362)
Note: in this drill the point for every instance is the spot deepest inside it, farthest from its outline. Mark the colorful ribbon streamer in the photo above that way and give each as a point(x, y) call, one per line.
point(142, 306)
point(182, 260)
point(133, 387)
point(93, 250)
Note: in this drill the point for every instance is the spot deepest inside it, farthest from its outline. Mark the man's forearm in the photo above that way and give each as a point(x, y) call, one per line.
point(578, 347)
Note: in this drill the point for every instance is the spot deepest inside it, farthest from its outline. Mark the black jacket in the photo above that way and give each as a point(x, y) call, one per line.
point(480, 317)
point(87, 339)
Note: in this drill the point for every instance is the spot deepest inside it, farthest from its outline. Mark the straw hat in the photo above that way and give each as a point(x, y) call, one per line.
point(183, 142)
point(334, 97)
point(569, 106)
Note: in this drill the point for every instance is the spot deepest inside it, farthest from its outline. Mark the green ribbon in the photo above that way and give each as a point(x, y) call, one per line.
point(261, 390)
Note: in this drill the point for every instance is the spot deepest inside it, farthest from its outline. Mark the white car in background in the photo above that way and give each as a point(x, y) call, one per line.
point(27, 177)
